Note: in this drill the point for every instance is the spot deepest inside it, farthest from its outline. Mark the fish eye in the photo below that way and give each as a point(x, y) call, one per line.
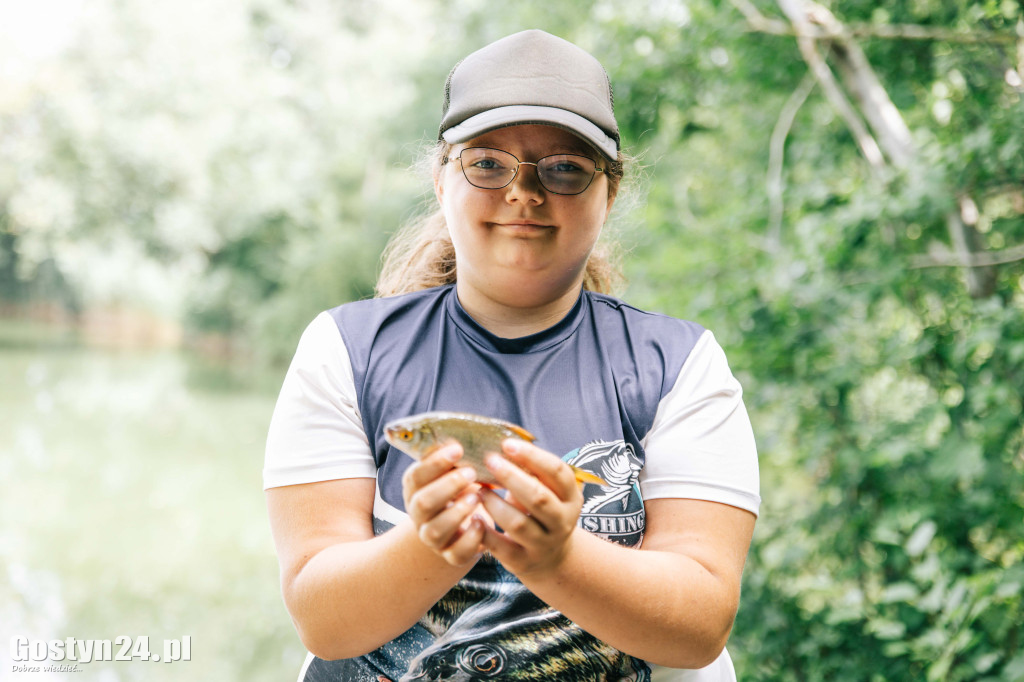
point(482, 659)
point(405, 435)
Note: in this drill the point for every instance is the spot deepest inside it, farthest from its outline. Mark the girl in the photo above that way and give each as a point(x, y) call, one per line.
point(399, 570)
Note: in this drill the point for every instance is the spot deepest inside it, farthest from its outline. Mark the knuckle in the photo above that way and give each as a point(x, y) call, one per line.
point(456, 479)
point(540, 500)
point(409, 478)
point(430, 535)
point(417, 507)
point(517, 524)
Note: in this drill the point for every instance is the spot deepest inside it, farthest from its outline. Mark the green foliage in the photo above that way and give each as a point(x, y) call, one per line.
point(886, 401)
point(260, 174)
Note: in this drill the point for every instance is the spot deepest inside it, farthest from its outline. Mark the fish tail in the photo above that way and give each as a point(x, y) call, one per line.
point(521, 432)
point(586, 477)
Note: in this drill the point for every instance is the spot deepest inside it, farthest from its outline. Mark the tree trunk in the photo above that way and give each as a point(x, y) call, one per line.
point(891, 135)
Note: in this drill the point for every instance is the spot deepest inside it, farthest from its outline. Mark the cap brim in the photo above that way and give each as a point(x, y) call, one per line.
point(521, 114)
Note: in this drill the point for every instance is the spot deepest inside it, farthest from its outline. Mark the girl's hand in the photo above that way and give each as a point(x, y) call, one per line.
point(540, 513)
point(440, 499)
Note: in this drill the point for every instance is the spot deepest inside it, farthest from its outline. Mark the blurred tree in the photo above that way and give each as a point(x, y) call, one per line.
point(887, 386)
point(218, 162)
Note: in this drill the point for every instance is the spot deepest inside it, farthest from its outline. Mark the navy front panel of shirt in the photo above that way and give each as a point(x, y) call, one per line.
point(596, 376)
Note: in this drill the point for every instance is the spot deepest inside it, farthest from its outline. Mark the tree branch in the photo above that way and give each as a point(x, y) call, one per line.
point(811, 22)
point(759, 22)
point(860, 79)
point(762, 24)
point(985, 259)
point(776, 158)
point(936, 33)
point(1020, 46)
point(795, 11)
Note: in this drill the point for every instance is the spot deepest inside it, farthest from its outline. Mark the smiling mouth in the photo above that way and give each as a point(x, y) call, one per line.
point(524, 225)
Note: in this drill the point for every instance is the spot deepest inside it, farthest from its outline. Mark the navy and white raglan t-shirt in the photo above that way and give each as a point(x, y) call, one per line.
point(645, 401)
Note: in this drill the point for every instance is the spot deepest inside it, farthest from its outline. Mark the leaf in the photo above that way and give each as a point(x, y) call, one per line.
point(900, 592)
point(886, 629)
point(922, 536)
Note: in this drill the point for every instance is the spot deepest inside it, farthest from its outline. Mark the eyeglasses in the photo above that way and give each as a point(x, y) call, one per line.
point(559, 173)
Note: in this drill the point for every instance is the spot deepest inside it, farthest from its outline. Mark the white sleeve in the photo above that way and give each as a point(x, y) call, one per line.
point(701, 445)
point(316, 432)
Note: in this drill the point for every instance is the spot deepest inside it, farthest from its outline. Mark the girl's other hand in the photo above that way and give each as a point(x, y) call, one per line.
point(440, 499)
point(540, 513)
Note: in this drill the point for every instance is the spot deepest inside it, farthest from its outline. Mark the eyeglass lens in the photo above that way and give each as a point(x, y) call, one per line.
point(559, 173)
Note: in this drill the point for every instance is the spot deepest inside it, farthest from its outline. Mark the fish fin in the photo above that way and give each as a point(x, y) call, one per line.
point(522, 433)
point(586, 477)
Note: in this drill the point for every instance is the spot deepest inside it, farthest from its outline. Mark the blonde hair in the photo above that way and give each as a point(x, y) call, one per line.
point(421, 255)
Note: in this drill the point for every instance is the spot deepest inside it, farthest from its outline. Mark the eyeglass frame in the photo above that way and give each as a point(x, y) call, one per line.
point(535, 164)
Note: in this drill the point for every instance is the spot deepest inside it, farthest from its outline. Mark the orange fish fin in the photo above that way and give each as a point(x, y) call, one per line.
point(587, 477)
point(522, 433)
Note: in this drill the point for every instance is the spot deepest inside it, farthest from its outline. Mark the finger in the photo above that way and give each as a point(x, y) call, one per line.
point(480, 511)
point(432, 466)
point(511, 499)
point(467, 546)
point(503, 548)
point(444, 528)
point(530, 494)
point(520, 526)
point(431, 499)
point(550, 469)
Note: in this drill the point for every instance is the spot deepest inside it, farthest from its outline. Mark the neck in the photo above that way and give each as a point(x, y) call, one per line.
point(512, 321)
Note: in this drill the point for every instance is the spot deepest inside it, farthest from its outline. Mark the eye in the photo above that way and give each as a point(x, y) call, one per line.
point(487, 164)
point(482, 659)
point(565, 168)
point(482, 160)
point(565, 165)
point(405, 435)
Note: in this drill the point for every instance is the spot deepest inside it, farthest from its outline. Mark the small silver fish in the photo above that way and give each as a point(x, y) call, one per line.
point(420, 434)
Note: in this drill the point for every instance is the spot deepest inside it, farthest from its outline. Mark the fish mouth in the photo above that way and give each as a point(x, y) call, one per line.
point(391, 436)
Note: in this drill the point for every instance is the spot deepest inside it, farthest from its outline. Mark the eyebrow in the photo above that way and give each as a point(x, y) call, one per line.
point(579, 149)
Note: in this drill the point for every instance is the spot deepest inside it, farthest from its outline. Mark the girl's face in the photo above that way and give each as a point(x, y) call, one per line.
point(521, 245)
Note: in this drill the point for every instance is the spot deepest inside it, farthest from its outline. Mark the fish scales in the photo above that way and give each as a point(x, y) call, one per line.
point(514, 636)
point(421, 434)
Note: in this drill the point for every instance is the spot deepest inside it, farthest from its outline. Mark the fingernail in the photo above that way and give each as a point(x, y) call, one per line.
point(468, 473)
point(512, 446)
point(452, 454)
point(495, 463)
point(471, 500)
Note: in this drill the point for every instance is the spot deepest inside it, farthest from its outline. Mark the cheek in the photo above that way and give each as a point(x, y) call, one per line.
point(592, 220)
point(459, 203)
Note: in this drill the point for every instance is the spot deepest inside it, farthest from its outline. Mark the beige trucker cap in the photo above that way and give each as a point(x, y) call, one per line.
point(530, 77)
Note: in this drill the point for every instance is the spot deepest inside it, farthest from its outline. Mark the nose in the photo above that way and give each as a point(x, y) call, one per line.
point(525, 186)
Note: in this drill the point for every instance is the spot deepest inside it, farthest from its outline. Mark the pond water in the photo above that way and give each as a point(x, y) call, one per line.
point(131, 506)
